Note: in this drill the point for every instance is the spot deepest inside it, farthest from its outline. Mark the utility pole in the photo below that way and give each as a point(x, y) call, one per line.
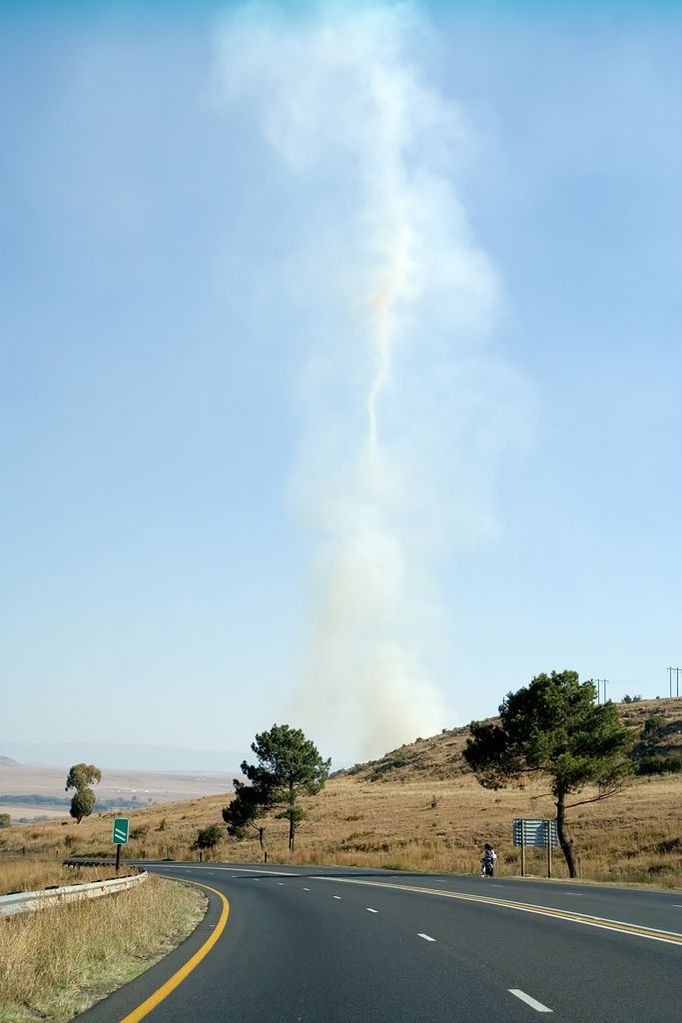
point(601, 693)
point(677, 680)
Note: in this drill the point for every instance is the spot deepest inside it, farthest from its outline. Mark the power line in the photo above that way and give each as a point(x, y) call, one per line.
point(677, 680)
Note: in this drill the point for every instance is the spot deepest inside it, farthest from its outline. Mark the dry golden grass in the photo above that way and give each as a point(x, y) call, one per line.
point(424, 825)
point(27, 875)
point(423, 811)
point(56, 962)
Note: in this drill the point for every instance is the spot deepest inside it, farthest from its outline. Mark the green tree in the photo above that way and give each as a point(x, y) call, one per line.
point(553, 727)
point(249, 803)
point(289, 766)
point(81, 777)
point(82, 804)
point(207, 838)
point(5, 820)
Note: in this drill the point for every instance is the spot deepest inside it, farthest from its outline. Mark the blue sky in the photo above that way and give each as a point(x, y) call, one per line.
point(184, 370)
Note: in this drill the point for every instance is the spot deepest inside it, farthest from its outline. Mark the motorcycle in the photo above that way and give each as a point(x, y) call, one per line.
point(487, 868)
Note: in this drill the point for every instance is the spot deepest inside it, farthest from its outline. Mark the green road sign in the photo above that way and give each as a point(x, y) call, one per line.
point(120, 831)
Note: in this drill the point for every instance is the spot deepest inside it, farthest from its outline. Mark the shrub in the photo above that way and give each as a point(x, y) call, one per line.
point(208, 838)
point(5, 820)
point(660, 763)
point(653, 723)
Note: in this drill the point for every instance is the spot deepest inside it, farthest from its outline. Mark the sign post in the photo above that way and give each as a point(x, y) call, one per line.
point(537, 833)
point(120, 836)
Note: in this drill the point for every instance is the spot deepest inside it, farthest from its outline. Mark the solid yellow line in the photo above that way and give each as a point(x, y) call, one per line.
point(527, 907)
point(158, 996)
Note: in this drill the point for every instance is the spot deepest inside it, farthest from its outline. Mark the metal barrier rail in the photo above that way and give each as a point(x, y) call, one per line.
point(24, 902)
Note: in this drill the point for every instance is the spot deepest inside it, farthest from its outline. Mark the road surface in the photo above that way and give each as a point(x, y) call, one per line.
point(323, 945)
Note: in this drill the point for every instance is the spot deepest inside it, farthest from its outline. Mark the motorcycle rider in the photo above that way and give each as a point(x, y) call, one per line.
point(488, 860)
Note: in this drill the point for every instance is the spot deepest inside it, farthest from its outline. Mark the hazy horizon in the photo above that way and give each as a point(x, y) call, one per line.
point(123, 756)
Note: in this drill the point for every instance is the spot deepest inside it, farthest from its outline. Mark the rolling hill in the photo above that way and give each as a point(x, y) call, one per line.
point(419, 807)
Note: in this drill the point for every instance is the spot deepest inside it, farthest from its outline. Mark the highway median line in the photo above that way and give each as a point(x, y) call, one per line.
point(173, 982)
point(671, 937)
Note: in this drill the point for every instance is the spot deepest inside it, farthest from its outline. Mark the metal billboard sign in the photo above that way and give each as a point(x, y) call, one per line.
point(534, 833)
point(538, 833)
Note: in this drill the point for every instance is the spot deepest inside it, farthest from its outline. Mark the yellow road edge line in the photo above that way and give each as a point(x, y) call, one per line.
point(158, 996)
point(592, 921)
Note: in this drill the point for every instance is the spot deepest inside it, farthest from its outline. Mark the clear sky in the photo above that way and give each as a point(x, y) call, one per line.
point(339, 364)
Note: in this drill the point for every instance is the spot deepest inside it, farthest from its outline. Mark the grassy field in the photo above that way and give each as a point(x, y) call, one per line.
point(418, 808)
point(57, 962)
point(29, 875)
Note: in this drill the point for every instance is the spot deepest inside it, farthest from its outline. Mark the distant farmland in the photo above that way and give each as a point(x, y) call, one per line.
point(31, 793)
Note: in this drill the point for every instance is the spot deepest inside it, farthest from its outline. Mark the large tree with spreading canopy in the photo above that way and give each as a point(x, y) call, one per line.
point(288, 767)
point(554, 727)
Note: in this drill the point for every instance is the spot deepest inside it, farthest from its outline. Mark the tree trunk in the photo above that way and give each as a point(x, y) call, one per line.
point(564, 841)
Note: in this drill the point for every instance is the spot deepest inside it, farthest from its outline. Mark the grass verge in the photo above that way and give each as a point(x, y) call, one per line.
point(36, 875)
point(57, 962)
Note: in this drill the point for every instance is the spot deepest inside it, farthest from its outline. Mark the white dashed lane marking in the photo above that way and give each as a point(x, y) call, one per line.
point(336, 897)
point(426, 937)
point(372, 910)
point(534, 1004)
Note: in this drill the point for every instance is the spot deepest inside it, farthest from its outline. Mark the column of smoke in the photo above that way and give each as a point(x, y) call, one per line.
point(397, 441)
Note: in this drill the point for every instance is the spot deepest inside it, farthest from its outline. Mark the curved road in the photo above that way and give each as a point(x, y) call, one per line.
point(323, 945)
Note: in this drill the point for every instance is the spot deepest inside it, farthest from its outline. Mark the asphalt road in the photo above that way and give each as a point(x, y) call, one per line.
point(323, 945)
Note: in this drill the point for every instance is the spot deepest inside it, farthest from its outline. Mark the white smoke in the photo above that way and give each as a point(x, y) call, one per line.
point(400, 432)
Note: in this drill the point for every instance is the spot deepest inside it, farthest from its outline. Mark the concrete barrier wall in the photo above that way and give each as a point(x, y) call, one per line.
point(24, 902)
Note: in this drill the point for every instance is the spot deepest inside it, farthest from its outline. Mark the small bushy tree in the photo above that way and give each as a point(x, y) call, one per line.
point(5, 820)
point(207, 838)
point(81, 777)
point(82, 804)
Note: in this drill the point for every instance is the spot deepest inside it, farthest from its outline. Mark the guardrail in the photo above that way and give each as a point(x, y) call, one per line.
point(24, 902)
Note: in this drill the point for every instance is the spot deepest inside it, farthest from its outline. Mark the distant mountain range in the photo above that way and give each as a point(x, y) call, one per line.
point(118, 756)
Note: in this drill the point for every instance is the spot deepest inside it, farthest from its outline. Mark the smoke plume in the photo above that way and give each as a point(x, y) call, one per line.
point(401, 411)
